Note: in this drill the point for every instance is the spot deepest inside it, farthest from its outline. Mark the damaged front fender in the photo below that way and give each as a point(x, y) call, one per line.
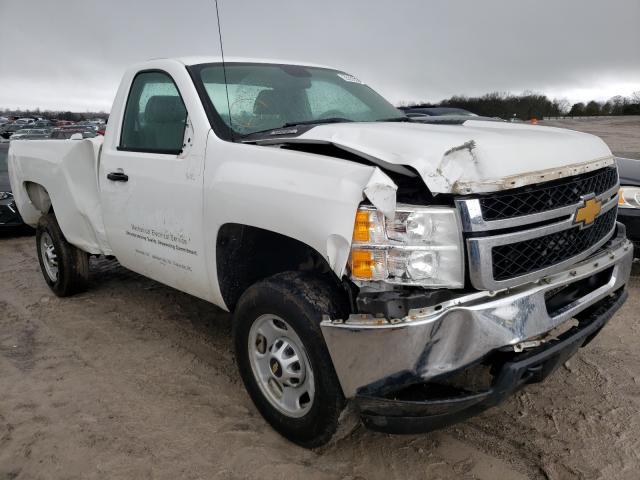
point(381, 192)
point(307, 197)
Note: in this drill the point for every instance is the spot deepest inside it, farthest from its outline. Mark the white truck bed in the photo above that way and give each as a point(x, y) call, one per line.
point(69, 170)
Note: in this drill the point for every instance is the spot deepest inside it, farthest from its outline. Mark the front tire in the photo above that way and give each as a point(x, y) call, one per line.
point(65, 267)
point(282, 356)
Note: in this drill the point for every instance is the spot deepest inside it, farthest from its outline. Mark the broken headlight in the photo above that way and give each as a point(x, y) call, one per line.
point(419, 246)
point(629, 197)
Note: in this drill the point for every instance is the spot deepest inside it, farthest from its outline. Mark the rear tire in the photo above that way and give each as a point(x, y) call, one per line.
point(65, 267)
point(291, 360)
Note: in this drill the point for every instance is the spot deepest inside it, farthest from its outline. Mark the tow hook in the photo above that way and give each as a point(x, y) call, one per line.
point(550, 335)
point(522, 346)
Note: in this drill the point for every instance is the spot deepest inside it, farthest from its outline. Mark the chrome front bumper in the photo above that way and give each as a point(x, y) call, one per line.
point(372, 354)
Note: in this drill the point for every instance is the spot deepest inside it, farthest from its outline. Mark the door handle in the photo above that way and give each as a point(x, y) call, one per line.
point(117, 177)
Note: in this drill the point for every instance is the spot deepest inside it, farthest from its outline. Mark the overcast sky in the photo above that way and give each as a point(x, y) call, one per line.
point(71, 53)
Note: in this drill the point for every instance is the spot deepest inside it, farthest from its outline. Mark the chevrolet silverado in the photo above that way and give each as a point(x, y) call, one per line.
point(413, 273)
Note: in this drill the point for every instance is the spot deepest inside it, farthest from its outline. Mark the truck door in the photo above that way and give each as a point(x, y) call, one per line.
point(151, 184)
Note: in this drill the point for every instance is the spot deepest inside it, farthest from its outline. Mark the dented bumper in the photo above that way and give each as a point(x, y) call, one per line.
point(408, 415)
point(375, 356)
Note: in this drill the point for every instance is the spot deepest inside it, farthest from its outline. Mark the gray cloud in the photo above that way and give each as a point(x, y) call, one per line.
point(71, 54)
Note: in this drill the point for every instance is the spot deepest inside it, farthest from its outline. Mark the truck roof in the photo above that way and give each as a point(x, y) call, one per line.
point(196, 60)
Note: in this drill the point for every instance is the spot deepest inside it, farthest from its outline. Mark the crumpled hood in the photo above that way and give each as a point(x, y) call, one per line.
point(477, 156)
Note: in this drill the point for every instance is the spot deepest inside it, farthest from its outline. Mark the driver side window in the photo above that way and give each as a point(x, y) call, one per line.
point(155, 116)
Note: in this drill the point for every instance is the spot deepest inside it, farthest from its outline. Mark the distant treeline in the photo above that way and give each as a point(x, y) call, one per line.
point(525, 106)
point(530, 105)
point(52, 114)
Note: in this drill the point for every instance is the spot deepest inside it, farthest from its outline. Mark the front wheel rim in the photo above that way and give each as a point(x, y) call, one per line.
point(49, 256)
point(280, 366)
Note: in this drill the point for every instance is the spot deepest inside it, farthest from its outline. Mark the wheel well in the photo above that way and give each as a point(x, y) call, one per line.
point(246, 254)
point(39, 196)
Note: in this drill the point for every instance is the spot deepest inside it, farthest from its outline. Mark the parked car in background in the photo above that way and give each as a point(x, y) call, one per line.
point(446, 115)
point(65, 133)
point(3, 120)
point(30, 134)
point(63, 123)
point(26, 121)
point(7, 130)
point(629, 200)
point(9, 215)
point(43, 124)
point(437, 111)
point(86, 124)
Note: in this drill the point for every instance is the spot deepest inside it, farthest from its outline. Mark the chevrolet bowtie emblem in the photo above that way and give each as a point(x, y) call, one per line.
point(587, 213)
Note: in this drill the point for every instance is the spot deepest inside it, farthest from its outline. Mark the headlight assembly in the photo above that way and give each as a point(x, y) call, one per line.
point(629, 197)
point(420, 246)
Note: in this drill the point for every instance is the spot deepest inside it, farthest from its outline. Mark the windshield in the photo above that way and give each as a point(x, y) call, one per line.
point(269, 96)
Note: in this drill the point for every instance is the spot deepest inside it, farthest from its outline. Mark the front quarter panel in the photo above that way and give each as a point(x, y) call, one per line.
point(308, 197)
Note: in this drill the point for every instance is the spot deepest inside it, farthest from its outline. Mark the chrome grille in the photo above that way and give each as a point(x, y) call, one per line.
point(516, 259)
point(506, 252)
point(539, 198)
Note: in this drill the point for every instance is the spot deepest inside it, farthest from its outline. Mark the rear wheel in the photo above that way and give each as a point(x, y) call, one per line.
point(65, 267)
point(282, 357)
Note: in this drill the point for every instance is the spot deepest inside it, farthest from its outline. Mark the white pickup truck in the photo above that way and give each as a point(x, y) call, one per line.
point(414, 273)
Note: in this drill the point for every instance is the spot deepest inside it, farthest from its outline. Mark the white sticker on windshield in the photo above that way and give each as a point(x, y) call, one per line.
point(349, 78)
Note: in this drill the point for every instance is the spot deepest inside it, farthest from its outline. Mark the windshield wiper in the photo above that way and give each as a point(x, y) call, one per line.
point(318, 121)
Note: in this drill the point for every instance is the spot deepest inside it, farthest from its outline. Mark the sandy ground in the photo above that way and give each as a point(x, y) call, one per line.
point(622, 134)
point(135, 380)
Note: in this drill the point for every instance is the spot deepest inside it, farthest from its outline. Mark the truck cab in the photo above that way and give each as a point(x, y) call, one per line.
point(414, 273)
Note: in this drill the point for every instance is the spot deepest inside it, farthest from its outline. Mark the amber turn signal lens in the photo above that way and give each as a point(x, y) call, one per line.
point(620, 197)
point(361, 228)
point(362, 263)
